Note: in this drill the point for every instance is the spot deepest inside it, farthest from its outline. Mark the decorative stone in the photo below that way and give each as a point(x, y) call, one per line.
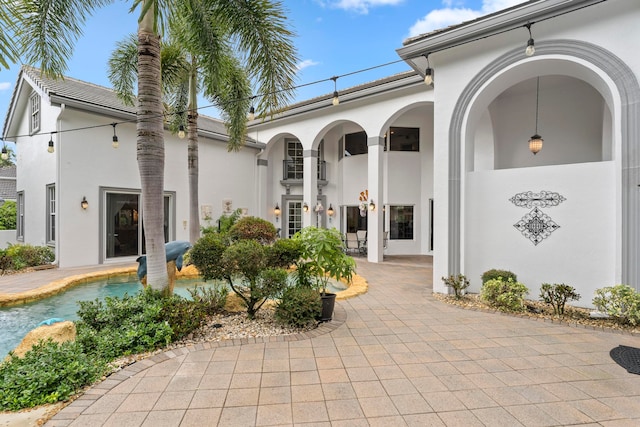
point(59, 332)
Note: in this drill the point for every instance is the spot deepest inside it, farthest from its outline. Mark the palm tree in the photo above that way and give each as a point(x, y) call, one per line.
point(8, 51)
point(49, 29)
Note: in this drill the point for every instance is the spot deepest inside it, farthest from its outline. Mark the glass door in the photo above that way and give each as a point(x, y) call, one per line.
point(123, 235)
point(294, 217)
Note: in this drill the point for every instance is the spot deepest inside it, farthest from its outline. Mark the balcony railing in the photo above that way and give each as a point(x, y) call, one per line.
point(292, 170)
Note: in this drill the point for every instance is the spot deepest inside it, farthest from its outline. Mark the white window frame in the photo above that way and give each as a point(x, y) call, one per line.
point(20, 216)
point(51, 214)
point(34, 118)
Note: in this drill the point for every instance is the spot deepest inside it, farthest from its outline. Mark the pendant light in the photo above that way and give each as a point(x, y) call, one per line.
point(531, 48)
point(535, 143)
point(428, 73)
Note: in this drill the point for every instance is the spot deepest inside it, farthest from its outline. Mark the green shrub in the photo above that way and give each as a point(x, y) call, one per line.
point(505, 295)
point(621, 302)
point(498, 274)
point(183, 316)
point(284, 252)
point(252, 228)
point(458, 283)
point(212, 299)
point(298, 307)
point(127, 325)
point(24, 255)
point(557, 295)
point(206, 254)
point(8, 215)
point(48, 373)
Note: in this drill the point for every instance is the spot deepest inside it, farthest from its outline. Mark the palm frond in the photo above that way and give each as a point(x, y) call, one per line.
point(123, 68)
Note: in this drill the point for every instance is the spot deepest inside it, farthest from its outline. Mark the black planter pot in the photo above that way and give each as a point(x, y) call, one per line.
point(328, 303)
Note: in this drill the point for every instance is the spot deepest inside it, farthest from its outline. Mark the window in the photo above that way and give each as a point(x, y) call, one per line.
point(34, 104)
point(404, 139)
point(51, 214)
point(355, 221)
point(401, 222)
point(20, 216)
point(355, 143)
point(293, 159)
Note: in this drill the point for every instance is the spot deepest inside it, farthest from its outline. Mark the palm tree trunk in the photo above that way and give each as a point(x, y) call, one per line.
point(192, 156)
point(150, 150)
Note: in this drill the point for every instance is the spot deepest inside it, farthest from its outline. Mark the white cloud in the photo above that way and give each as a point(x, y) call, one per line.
point(448, 15)
point(306, 64)
point(4, 86)
point(360, 6)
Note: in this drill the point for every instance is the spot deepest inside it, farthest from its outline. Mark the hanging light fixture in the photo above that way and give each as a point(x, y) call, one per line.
point(535, 143)
point(5, 153)
point(115, 143)
point(181, 132)
point(428, 73)
point(330, 211)
point(84, 204)
point(336, 99)
point(531, 49)
point(50, 149)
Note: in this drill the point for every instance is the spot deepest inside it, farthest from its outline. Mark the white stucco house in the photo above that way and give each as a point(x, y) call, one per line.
point(446, 168)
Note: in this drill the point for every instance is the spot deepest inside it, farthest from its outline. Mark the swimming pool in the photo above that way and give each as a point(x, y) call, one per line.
point(18, 320)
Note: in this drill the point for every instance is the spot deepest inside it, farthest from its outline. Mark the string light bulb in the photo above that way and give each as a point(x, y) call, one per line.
point(428, 73)
point(252, 113)
point(181, 132)
point(531, 48)
point(50, 149)
point(5, 153)
point(114, 143)
point(336, 98)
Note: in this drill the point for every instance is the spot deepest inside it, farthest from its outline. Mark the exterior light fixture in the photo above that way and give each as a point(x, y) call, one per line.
point(535, 143)
point(336, 99)
point(531, 49)
point(252, 113)
point(84, 204)
point(115, 143)
point(330, 211)
point(428, 73)
point(305, 207)
point(372, 206)
point(277, 212)
point(181, 132)
point(5, 153)
point(50, 149)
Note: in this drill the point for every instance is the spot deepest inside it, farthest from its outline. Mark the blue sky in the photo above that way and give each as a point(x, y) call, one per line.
point(333, 37)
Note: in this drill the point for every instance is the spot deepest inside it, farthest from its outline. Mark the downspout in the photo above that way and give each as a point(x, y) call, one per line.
point(57, 183)
point(257, 182)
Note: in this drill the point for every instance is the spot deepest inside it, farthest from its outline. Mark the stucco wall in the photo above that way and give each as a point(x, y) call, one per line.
point(581, 252)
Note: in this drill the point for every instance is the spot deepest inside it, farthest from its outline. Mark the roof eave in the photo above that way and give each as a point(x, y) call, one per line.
point(499, 22)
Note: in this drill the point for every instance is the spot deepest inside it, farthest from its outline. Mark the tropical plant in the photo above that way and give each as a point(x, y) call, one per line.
point(48, 29)
point(299, 306)
point(458, 283)
point(495, 273)
point(219, 54)
point(253, 228)
point(323, 256)
point(557, 295)
point(621, 302)
point(504, 294)
point(8, 215)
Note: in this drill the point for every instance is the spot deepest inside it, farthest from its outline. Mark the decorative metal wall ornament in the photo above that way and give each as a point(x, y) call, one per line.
point(536, 226)
point(543, 199)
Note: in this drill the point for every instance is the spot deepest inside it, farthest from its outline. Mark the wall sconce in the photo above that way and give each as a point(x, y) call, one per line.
point(84, 204)
point(372, 206)
point(305, 207)
point(330, 212)
point(277, 212)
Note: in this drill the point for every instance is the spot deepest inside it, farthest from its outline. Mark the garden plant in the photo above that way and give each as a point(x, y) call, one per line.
point(458, 283)
point(557, 295)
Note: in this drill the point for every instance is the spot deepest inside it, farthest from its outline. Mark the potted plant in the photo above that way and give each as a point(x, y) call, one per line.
point(323, 258)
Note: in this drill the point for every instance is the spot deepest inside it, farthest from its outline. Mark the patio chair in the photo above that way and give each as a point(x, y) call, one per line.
point(362, 241)
point(351, 243)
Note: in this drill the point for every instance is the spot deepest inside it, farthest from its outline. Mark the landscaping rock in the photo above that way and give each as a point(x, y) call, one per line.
point(59, 332)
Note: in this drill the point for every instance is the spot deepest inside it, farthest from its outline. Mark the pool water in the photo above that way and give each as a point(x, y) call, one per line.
point(18, 320)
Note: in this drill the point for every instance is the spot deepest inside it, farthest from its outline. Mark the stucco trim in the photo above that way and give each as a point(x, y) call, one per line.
point(628, 91)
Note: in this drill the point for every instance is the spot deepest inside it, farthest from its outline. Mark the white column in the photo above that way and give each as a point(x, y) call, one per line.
point(263, 207)
point(374, 185)
point(310, 186)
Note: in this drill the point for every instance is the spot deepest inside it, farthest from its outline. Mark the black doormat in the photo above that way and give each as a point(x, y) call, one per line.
point(627, 357)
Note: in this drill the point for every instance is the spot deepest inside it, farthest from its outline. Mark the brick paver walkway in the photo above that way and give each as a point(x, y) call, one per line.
point(393, 357)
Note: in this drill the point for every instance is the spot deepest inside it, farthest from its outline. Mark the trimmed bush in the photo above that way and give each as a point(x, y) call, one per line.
point(621, 302)
point(505, 295)
point(20, 256)
point(48, 373)
point(557, 295)
point(205, 255)
point(8, 215)
point(252, 228)
point(458, 283)
point(298, 307)
point(212, 299)
point(498, 274)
